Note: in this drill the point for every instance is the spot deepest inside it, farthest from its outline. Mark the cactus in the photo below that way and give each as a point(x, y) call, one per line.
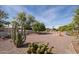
point(13, 32)
point(49, 51)
point(17, 37)
point(37, 48)
point(45, 52)
point(18, 40)
point(29, 50)
point(42, 50)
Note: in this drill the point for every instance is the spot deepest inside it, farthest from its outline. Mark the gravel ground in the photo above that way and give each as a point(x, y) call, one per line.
point(62, 44)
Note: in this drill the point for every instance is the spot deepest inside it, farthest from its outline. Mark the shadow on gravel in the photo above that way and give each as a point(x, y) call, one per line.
point(24, 45)
point(43, 33)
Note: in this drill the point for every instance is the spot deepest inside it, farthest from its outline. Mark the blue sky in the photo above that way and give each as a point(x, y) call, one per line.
point(50, 15)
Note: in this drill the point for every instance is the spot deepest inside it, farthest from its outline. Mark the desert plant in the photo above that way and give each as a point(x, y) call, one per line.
point(39, 48)
point(13, 32)
point(18, 40)
point(21, 19)
point(1, 25)
point(16, 35)
point(18, 29)
point(3, 16)
point(37, 27)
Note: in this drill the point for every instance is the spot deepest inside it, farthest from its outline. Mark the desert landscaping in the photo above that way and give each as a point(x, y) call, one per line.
point(61, 44)
point(24, 34)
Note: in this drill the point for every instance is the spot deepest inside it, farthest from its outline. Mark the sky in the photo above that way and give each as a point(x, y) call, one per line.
point(50, 15)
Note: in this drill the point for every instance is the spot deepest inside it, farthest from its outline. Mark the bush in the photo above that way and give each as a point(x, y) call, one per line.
point(37, 27)
point(27, 27)
point(1, 26)
point(38, 48)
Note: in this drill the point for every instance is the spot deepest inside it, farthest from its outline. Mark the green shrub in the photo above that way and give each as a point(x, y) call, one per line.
point(37, 27)
point(1, 26)
point(39, 48)
point(27, 27)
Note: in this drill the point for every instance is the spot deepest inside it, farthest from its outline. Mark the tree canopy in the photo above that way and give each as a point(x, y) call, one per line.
point(38, 27)
point(3, 16)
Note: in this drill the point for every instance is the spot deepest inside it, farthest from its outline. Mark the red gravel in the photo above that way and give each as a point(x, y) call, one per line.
point(62, 44)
